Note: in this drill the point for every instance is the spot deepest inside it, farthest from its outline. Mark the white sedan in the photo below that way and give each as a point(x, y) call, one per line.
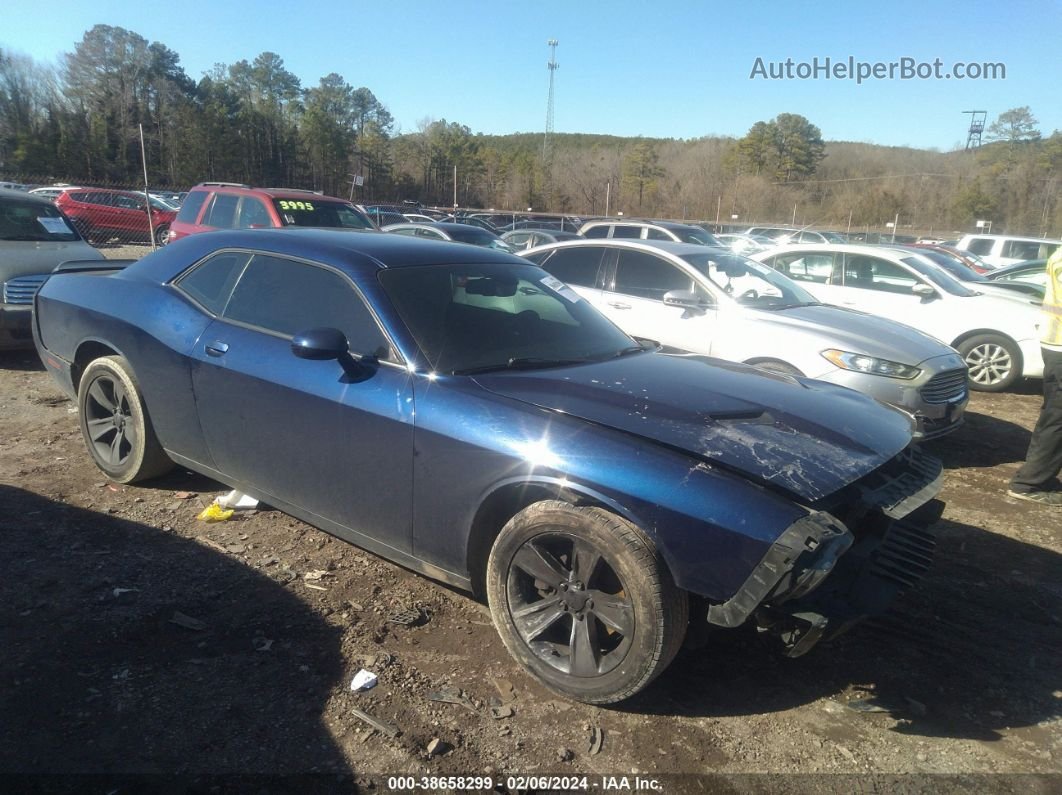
point(997, 335)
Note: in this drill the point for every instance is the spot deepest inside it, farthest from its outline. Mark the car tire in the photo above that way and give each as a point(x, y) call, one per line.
point(994, 362)
point(115, 423)
point(776, 366)
point(583, 601)
point(162, 235)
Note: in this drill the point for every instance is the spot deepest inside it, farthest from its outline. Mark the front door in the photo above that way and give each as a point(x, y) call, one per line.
point(336, 444)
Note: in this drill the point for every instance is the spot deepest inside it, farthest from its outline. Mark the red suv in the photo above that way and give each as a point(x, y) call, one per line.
point(101, 214)
point(228, 205)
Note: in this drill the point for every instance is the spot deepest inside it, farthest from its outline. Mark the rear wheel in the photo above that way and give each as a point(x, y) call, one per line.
point(162, 235)
point(994, 361)
point(583, 601)
point(115, 423)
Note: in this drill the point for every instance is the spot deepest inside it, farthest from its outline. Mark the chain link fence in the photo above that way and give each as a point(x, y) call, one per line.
point(123, 221)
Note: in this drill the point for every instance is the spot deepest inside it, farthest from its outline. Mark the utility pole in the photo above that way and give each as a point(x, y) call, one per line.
point(547, 139)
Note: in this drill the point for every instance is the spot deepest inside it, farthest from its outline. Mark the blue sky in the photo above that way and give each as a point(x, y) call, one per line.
point(665, 69)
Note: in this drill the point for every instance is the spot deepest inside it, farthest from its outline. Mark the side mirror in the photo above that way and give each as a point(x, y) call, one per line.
point(686, 299)
point(319, 344)
point(926, 292)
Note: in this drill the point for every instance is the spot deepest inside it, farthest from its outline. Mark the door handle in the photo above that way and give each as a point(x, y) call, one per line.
point(216, 348)
point(618, 305)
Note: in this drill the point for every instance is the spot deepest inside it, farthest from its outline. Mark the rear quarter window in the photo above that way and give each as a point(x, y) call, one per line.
point(191, 206)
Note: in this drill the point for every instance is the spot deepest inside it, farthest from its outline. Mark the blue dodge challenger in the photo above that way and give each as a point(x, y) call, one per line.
point(462, 413)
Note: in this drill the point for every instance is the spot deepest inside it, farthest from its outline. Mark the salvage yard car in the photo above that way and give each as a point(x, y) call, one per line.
point(461, 412)
point(998, 335)
point(35, 237)
point(718, 303)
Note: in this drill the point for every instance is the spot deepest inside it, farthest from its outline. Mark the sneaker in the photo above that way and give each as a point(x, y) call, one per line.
point(1052, 498)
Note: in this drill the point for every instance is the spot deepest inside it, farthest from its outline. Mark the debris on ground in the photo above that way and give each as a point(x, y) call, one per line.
point(506, 691)
point(215, 513)
point(437, 747)
point(237, 501)
point(411, 617)
point(867, 705)
point(186, 621)
point(449, 695)
point(381, 726)
point(503, 711)
point(565, 755)
point(597, 738)
point(184, 495)
point(363, 680)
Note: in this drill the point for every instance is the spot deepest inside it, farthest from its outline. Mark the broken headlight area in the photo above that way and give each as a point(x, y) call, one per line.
point(830, 570)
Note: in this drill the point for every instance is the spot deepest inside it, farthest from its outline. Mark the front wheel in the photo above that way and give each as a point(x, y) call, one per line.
point(583, 601)
point(115, 423)
point(994, 362)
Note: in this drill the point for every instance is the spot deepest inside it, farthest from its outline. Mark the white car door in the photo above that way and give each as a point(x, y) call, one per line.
point(633, 299)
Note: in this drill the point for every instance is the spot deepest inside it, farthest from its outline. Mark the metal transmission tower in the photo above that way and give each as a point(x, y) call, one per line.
point(977, 126)
point(547, 139)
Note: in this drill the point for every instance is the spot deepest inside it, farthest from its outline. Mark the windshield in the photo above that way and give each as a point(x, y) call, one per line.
point(952, 265)
point(478, 237)
point(940, 278)
point(749, 283)
point(30, 220)
point(162, 204)
point(698, 236)
point(475, 317)
point(315, 211)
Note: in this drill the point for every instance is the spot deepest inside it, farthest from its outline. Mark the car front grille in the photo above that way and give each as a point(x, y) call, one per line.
point(945, 387)
point(22, 289)
point(905, 555)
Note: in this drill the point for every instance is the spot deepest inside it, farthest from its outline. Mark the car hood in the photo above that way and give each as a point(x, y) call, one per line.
point(30, 257)
point(807, 437)
point(857, 332)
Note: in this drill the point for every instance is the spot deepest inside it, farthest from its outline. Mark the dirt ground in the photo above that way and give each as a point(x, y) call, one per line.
point(137, 640)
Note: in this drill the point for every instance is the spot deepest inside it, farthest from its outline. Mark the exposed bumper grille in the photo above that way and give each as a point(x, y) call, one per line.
point(945, 387)
point(21, 290)
point(905, 555)
point(904, 484)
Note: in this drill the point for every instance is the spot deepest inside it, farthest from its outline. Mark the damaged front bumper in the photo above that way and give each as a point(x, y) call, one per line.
point(823, 575)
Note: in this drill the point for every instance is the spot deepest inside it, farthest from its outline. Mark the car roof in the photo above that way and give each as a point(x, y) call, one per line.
point(274, 193)
point(351, 250)
point(7, 193)
point(668, 246)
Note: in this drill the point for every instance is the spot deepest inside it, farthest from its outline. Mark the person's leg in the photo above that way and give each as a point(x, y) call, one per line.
point(1044, 459)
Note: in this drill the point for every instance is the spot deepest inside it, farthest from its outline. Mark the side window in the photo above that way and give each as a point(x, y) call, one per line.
point(1023, 249)
point(126, 202)
point(805, 267)
point(519, 239)
point(657, 234)
point(811, 237)
point(408, 232)
point(871, 273)
point(597, 231)
point(287, 297)
point(645, 276)
point(577, 265)
point(628, 232)
point(253, 213)
point(191, 205)
point(222, 212)
point(211, 282)
point(980, 245)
